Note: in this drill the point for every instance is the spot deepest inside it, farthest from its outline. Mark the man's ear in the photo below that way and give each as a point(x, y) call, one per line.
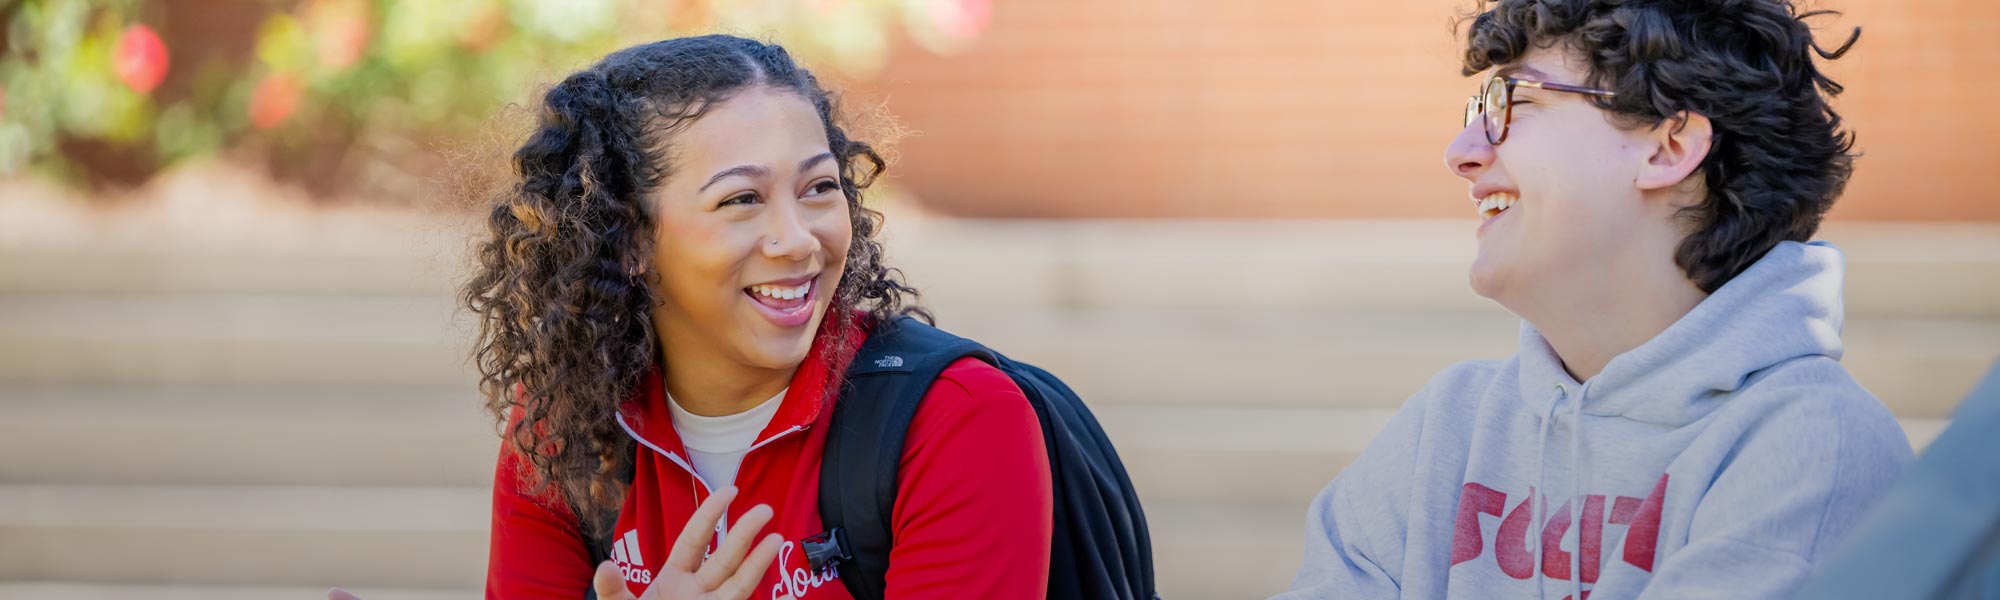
point(1679, 145)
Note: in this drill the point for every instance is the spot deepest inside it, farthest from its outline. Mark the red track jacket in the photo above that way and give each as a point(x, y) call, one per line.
point(973, 512)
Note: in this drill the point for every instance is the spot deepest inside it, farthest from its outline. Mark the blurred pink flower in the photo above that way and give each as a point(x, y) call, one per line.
point(962, 19)
point(340, 33)
point(274, 100)
point(484, 30)
point(141, 59)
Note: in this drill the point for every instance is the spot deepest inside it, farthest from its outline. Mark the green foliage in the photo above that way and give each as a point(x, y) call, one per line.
point(110, 91)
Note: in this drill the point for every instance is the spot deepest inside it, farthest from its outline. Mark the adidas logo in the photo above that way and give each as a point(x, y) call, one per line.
point(889, 362)
point(630, 564)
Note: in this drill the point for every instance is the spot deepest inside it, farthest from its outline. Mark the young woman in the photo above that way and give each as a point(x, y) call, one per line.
point(669, 297)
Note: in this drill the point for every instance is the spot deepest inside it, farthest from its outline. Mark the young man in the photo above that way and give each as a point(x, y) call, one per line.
point(1675, 423)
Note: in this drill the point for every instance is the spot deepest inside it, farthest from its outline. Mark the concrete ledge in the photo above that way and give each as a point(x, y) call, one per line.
point(1919, 367)
point(49, 590)
point(1906, 270)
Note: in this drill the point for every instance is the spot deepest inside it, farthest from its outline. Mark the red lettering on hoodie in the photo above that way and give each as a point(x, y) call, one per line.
point(1555, 561)
point(1591, 541)
point(1515, 558)
point(1468, 542)
point(1510, 546)
point(1644, 535)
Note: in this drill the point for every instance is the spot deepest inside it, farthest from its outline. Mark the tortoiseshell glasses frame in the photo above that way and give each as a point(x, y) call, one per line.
point(1496, 103)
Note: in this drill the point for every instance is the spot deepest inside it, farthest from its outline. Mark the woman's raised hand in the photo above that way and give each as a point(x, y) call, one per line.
point(732, 573)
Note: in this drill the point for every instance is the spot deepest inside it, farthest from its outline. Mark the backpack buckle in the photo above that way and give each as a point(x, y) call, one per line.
point(826, 549)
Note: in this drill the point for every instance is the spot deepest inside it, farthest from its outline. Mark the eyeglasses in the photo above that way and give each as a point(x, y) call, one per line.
point(1497, 103)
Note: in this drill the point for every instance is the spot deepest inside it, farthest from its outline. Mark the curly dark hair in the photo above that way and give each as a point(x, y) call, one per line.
point(1779, 157)
point(565, 335)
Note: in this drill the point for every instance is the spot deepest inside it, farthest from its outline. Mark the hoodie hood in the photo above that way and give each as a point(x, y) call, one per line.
point(1784, 307)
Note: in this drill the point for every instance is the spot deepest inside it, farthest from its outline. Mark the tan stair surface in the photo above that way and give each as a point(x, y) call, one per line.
point(245, 535)
point(1920, 367)
point(416, 537)
point(1931, 270)
point(110, 591)
point(286, 405)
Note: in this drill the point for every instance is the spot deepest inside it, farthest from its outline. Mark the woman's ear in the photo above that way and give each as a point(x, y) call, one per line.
point(1680, 144)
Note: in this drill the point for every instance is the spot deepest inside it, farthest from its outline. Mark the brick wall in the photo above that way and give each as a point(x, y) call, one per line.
point(1280, 108)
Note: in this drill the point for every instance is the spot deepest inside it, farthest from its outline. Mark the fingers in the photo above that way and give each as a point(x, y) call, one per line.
point(740, 585)
point(340, 594)
point(694, 538)
point(609, 583)
point(729, 556)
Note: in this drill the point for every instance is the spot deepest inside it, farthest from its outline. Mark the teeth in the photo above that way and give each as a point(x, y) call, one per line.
point(1496, 202)
point(781, 292)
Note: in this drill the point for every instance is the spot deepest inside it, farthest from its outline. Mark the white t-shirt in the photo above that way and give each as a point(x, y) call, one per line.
point(716, 445)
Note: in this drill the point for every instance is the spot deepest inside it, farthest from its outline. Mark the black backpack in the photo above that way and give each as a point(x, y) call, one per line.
point(1100, 548)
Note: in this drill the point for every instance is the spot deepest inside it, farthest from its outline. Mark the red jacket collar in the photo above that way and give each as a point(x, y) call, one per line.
point(647, 417)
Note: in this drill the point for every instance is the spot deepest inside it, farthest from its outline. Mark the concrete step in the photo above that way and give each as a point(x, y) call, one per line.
point(60, 590)
point(1908, 270)
point(414, 537)
point(1920, 367)
point(1904, 270)
point(1178, 454)
point(206, 245)
point(1226, 551)
point(352, 436)
point(233, 340)
point(230, 437)
point(307, 538)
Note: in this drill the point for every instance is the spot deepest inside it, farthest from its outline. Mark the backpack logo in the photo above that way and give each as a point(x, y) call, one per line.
point(630, 564)
point(889, 362)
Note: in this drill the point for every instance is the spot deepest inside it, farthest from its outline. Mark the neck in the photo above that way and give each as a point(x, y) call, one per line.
point(705, 378)
point(1628, 305)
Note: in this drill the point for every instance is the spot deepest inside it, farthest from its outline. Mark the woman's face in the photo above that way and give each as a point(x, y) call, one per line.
point(752, 229)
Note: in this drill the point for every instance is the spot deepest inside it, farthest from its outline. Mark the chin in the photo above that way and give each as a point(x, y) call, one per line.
point(774, 348)
point(1487, 280)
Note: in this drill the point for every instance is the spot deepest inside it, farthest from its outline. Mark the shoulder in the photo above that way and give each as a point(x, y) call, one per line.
point(1806, 421)
point(1448, 402)
point(974, 414)
point(964, 382)
point(971, 393)
point(1469, 375)
point(1811, 402)
point(1459, 387)
point(974, 380)
point(1831, 447)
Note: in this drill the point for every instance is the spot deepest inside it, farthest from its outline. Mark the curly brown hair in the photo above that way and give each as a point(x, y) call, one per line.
point(1779, 157)
point(564, 334)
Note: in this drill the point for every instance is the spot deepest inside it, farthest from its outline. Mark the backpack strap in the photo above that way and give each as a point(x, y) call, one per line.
point(864, 447)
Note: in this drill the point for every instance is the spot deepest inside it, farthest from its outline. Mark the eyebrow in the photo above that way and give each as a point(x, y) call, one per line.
point(744, 170)
point(808, 164)
point(1521, 69)
point(753, 171)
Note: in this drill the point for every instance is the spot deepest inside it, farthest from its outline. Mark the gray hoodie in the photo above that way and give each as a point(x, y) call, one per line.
point(1720, 459)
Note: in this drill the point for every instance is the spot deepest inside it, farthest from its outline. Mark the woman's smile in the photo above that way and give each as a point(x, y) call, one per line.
point(786, 302)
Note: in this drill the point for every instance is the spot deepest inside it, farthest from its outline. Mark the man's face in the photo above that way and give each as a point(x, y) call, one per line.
point(1567, 174)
